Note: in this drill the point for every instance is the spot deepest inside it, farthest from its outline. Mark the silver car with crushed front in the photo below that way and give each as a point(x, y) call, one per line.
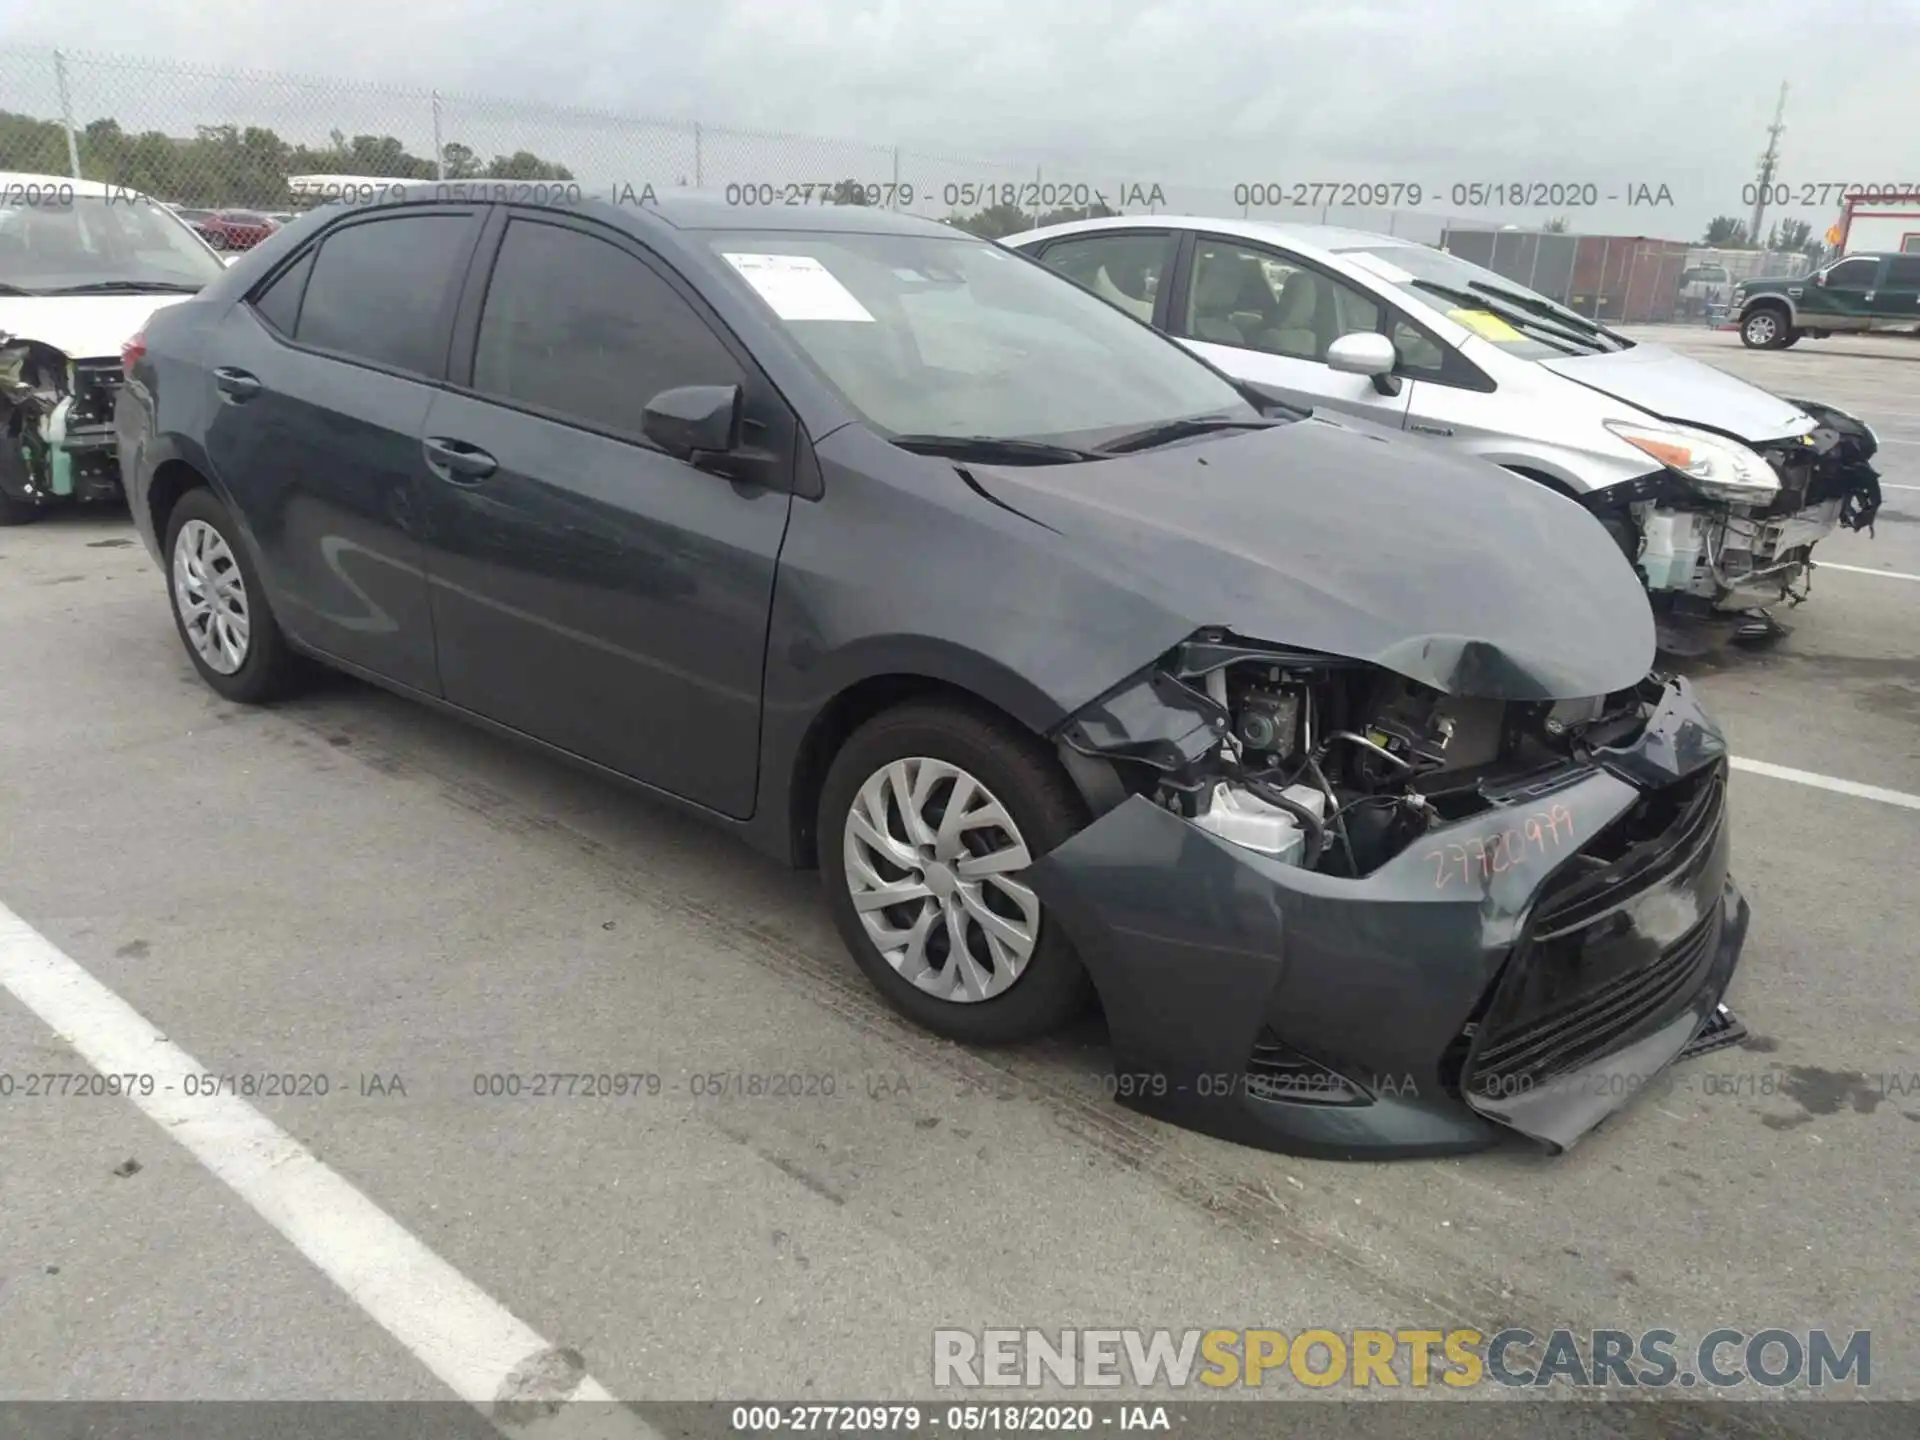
point(1716, 489)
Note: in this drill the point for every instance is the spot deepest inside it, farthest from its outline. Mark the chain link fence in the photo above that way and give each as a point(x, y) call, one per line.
point(213, 138)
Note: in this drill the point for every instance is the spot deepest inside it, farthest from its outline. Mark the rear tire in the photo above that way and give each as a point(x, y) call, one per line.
point(219, 607)
point(955, 959)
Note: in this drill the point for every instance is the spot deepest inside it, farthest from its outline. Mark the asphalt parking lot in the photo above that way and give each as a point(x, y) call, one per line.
point(353, 888)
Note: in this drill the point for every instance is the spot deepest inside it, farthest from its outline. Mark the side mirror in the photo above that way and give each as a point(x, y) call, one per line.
point(1820, 278)
point(1366, 352)
point(692, 420)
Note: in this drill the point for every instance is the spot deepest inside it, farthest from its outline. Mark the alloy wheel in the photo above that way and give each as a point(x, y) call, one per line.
point(932, 860)
point(211, 596)
point(1761, 329)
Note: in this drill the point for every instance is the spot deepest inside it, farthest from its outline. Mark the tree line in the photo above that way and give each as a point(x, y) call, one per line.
point(246, 167)
point(239, 166)
point(1728, 232)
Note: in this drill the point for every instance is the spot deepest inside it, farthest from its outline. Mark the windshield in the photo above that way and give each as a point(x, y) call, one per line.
point(45, 248)
point(1420, 271)
point(927, 335)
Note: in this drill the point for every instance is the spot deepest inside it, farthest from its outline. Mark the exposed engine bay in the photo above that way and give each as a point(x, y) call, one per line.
point(1725, 557)
point(56, 428)
point(1334, 765)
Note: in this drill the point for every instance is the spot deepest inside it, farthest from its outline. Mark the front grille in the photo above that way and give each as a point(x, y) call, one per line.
point(1583, 982)
point(1663, 832)
point(1514, 1060)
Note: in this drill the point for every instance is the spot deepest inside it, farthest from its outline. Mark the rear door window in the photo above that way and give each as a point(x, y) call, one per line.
point(379, 290)
point(1123, 267)
point(1903, 272)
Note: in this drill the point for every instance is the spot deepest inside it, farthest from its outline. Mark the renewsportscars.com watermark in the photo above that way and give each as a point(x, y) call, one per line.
point(1405, 1358)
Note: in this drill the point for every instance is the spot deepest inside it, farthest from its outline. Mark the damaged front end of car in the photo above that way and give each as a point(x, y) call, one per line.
point(56, 429)
point(1726, 529)
point(1333, 910)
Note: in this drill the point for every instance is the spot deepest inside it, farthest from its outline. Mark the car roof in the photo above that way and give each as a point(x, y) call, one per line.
point(675, 208)
point(1324, 239)
point(97, 189)
point(686, 211)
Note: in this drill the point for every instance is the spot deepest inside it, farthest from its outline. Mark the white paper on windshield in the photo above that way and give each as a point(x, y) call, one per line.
point(799, 287)
point(1373, 264)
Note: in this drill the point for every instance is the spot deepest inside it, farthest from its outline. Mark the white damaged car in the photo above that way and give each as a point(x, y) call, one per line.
point(1716, 489)
point(82, 266)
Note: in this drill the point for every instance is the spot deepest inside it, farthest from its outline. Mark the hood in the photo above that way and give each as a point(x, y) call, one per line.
point(1686, 392)
point(1449, 571)
point(82, 327)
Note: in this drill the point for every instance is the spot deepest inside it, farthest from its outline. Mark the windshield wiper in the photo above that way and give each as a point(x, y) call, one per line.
point(1179, 430)
point(127, 287)
point(994, 450)
point(1550, 309)
point(1515, 310)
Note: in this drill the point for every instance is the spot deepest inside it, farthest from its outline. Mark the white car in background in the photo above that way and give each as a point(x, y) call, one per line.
point(1716, 489)
point(82, 266)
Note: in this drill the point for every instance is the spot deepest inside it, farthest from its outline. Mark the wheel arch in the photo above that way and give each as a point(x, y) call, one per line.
point(172, 478)
point(1542, 476)
point(843, 714)
point(1772, 302)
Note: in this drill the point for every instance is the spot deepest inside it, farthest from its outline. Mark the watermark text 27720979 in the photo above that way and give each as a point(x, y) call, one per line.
point(1827, 192)
point(1460, 195)
point(885, 194)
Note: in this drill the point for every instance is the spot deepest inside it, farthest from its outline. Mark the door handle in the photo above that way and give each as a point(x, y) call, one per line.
point(236, 385)
point(456, 461)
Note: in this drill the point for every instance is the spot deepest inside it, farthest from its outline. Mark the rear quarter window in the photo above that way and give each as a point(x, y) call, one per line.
point(279, 303)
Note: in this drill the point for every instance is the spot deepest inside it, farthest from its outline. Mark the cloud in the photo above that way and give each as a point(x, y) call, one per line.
point(1206, 92)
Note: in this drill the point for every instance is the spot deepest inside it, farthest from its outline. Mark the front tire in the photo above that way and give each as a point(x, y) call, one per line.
point(930, 815)
point(219, 607)
point(1767, 328)
point(13, 476)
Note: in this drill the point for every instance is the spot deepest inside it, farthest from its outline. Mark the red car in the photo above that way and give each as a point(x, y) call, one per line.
point(236, 229)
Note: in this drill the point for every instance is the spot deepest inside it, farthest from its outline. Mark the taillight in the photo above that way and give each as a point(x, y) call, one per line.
point(133, 351)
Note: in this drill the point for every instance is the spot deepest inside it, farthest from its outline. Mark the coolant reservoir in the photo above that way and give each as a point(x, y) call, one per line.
point(1672, 551)
point(60, 480)
point(1247, 820)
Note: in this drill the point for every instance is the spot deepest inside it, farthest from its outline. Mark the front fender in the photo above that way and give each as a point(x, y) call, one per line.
point(1772, 298)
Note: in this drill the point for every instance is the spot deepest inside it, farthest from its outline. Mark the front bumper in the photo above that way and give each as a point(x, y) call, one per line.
point(1526, 971)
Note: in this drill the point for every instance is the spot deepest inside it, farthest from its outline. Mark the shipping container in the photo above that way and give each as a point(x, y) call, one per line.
point(1625, 279)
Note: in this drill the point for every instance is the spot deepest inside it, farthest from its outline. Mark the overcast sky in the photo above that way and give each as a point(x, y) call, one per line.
point(1436, 92)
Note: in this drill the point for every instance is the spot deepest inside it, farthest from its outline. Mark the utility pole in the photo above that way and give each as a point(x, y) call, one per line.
point(1768, 162)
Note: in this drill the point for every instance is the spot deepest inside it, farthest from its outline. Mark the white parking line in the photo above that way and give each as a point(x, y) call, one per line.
point(1884, 485)
point(483, 1353)
point(1826, 782)
point(1863, 570)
